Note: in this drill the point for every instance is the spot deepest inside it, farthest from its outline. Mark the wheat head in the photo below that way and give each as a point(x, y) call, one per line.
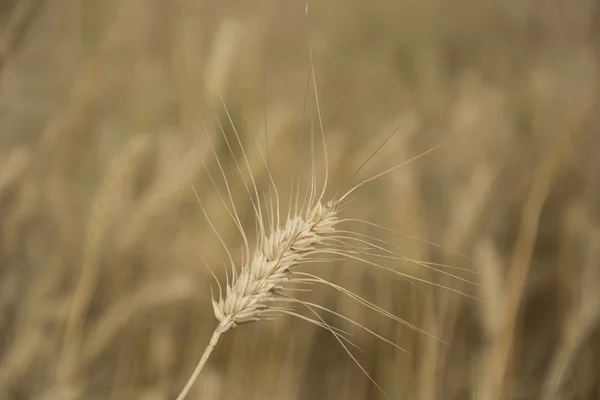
point(258, 290)
point(251, 294)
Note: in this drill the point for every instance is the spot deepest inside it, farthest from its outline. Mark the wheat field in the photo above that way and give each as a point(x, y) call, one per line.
point(109, 114)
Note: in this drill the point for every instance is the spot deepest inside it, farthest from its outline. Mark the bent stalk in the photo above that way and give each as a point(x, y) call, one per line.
point(223, 327)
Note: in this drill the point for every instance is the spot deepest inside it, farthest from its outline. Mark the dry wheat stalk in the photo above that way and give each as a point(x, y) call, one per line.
point(258, 289)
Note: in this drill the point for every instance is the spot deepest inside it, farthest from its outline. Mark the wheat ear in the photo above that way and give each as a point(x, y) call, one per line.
point(257, 291)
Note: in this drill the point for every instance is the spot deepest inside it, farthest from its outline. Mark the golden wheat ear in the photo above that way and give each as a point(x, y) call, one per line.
point(258, 287)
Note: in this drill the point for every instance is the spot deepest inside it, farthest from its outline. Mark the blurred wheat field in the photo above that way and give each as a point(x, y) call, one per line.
point(105, 108)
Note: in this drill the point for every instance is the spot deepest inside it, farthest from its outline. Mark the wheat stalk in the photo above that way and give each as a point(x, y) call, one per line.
point(258, 290)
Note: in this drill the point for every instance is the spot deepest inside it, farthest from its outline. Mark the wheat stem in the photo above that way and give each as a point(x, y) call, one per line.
point(223, 327)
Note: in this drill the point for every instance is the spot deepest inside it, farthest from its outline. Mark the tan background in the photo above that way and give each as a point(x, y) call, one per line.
point(102, 103)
